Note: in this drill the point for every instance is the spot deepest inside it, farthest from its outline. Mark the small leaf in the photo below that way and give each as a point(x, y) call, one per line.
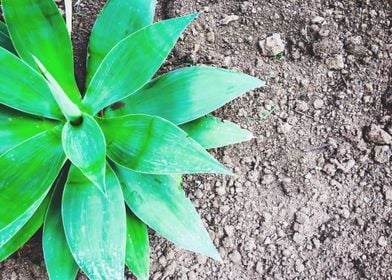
point(187, 94)
point(58, 258)
point(25, 233)
point(160, 202)
point(85, 147)
point(16, 127)
point(153, 145)
point(138, 250)
point(45, 36)
point(130, 16)
point(133, 62)
point(212, 132)
point(26, 174)
point(68, 15)
point(95, 225)
point(24, 89)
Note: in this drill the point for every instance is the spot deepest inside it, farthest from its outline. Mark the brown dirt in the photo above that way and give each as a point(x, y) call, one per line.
point(312, 198)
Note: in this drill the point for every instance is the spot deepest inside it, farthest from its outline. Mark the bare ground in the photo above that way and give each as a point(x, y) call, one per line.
point(312, 194)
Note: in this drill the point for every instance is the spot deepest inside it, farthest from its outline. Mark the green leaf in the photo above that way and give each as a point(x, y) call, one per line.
point(160, 202)
point(95, 225)
point(26, 174)
point(58, 257)
point(25, 233)
point(5, 40)
point(24, 89)
point(130, 17)
point(138, 249)
point(150, 144)
point(16, 127)
point(133, 62)
point(85, 147)
point(45, 36)
point(212, 132)
point(186, 94)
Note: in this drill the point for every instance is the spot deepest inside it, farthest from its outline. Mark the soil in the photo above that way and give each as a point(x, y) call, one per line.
point(312, 195)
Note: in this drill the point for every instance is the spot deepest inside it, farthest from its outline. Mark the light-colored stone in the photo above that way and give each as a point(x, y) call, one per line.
point(378, 136)
point(272, 45)
point(335, 62)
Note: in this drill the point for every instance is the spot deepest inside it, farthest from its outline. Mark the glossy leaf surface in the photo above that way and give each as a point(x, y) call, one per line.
point(138, 251)
point(212, 132)
point(16, 127)
point(186, 94)
point(5, 40)
point(58, 258)
point(130, 17)
point(45, 36)
point(85, 147)
point(24, 89)
point(25, 233)
point(151, 144)
point(133, 62)
point(160, 202)
point(38, 161)
point(95, 225)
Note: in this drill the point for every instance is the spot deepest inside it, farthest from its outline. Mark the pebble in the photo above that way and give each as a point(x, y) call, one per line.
point(301, 218)
point(272, 45)
point(318, 103)
point(382, 241)
point(284, 128)
point(387, 193)
point(211, 37)
point(227, 19)
point(301, 106)
point(299, 266)
point(235, 256)
point(318, 20)
point(382, 154)
point(335, 62)
point(259, 267)
point(377, 135)
point(298, 238)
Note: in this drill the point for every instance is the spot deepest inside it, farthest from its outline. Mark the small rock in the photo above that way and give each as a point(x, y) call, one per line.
point(345, 213)
point(272, 45)
point(377, 135)
point(318, 103)
point(211, 37)
point(387, 193)
point(335, 63)
point(299, 266)
point(235, 256)
point(301, 218)
point(221, 191)
point(301, 106)
point(227, 19)
point(387, 98)
point(284, 128)
point(329, 169)
point(259, 267)
point(316, 243)
point(382, 241)
point(318, 20)
point(298, 238)
point(382, 154)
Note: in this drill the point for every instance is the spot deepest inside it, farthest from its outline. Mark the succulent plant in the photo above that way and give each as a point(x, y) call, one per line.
point(95, 168)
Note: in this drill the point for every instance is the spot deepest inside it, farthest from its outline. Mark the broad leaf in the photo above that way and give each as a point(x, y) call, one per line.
point(186, 94)
point(58, 258)
point(26, 174)
point(24, 89)
point(95, 225)
point(138, 251)
point(16, 127)
point(130, 17)
point(160, 202)
point(44, 36)
point(25, 233)
point(150, 144)
point(85, 146)
point(133, 62)
point(212, 132)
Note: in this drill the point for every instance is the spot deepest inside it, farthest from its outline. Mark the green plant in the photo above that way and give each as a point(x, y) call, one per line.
point(68, 162)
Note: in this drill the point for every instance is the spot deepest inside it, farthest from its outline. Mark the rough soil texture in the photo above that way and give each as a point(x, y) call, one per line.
point(312, 196)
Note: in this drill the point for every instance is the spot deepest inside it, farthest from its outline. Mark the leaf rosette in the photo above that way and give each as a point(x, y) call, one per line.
point(95, 169)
